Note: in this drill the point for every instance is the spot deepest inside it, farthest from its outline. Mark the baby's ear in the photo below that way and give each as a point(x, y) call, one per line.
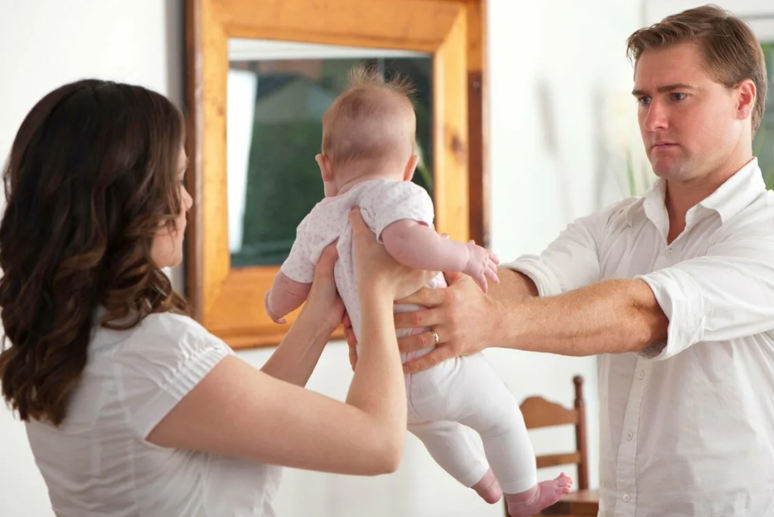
point(325, 167)
point(411, 166)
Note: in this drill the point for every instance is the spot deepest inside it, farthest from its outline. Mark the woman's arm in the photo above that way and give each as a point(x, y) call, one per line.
point(300, 349)
point(239, 411)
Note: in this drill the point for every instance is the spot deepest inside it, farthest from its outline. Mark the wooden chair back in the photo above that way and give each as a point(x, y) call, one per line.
point(540, 413)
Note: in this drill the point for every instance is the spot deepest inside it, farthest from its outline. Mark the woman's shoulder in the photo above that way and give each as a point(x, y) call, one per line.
point(170, 324)
point(153, 365)
point(160, 340)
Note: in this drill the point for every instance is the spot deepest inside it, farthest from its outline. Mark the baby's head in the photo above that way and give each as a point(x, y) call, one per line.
point(368, 132)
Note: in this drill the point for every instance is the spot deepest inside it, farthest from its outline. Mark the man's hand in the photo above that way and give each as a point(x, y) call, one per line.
point(461, 315)
point(513, 286)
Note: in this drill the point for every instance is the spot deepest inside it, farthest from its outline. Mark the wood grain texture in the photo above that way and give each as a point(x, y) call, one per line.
point(229, 302)
point(539, 412)
point(420, 25)
point(478, 125)
point(450, 122)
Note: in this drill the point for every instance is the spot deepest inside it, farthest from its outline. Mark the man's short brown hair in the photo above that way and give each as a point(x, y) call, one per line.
point(731, 51)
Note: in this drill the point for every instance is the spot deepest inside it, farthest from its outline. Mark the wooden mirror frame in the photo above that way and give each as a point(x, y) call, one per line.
point(229, 302)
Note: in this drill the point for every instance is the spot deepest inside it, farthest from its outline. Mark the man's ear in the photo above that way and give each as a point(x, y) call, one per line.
point(745, 101)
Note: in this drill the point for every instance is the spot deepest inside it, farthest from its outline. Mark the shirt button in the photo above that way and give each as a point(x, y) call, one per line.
point(626, 498)
point(641, 375)
point(629, 436)
point(668, 252)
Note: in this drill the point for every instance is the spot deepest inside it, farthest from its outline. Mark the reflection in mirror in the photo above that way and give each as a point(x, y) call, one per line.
point(277, 95)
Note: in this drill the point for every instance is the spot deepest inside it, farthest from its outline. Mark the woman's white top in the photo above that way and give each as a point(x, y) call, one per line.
point(98, 462)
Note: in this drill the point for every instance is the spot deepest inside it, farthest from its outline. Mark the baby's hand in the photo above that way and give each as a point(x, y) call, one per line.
point(276, 319)
point(482, 264)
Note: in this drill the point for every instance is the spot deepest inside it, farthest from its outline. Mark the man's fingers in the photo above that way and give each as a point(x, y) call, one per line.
point(416, 342)
point(417, 319)
point(427, 297)
point(428, 361)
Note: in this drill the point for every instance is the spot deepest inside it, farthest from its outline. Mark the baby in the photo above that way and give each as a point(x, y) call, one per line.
point(367, 161)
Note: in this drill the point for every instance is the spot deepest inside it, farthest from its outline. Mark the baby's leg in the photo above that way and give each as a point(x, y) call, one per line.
point(452, 447)
point(485, 404)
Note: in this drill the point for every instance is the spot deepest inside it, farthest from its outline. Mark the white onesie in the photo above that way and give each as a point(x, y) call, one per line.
point(443, 400)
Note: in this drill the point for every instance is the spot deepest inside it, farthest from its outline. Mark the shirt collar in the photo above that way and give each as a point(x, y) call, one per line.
point(728, 200)
point(737, 192)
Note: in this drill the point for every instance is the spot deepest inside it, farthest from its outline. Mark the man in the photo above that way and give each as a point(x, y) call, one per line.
point(674, 291)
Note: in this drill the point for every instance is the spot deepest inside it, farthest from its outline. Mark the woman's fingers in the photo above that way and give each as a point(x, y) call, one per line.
point(327, 260)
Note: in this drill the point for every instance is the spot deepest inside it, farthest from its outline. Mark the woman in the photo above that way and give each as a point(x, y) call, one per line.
point(131, 407)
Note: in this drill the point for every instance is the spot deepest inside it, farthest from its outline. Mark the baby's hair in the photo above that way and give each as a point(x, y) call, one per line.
point(372, 120)
point(369, 77)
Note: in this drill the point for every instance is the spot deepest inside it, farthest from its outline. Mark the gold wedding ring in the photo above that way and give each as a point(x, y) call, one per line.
point(436, 338)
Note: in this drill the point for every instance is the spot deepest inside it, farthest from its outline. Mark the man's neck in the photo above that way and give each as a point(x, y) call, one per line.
point(681, 196)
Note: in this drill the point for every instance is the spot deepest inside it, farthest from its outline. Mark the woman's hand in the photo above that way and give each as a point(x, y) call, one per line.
point(376, 269)
point(324, 304)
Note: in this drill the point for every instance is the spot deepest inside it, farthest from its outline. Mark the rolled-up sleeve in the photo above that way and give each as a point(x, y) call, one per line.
point(569, 262)
point(725, 295)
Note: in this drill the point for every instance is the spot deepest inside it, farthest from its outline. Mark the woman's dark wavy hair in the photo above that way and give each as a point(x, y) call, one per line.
point(91, 178)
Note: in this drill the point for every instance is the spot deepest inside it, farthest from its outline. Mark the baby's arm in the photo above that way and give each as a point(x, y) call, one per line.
point(285, 296)
point(417, 245)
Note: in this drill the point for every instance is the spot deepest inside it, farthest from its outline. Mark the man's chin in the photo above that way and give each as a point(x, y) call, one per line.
point(668, 169)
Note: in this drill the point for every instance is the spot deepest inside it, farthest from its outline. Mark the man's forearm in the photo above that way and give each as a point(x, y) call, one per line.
point(608, 317)
point(513, 286)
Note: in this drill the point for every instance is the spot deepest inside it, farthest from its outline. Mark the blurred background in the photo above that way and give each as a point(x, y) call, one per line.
point(563, 142)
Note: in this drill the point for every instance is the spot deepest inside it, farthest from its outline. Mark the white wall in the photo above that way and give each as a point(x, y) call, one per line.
point(44, 44)
point(557, 72)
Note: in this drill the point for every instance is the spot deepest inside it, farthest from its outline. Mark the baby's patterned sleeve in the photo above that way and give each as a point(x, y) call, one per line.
point(299, 266)
point(395, 201)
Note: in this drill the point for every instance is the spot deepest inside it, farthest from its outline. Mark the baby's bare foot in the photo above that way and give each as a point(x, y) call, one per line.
point(488, 488)
point(538, 497)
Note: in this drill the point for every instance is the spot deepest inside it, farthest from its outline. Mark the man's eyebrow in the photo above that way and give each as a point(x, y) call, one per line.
point(665, 88)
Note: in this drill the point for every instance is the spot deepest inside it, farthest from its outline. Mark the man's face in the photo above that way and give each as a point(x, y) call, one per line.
point(688, 121)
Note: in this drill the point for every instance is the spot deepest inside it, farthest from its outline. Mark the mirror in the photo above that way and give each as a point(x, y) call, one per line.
point(259, 77)
point(277, 94)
